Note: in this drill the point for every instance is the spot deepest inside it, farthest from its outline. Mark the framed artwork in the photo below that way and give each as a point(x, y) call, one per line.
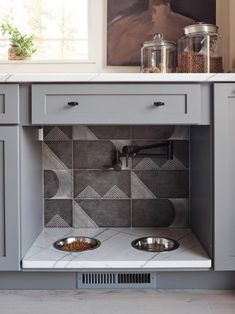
point(131, 22)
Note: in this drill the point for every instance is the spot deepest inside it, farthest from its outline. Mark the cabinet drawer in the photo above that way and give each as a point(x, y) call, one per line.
point(116, 104)
point(9, 104)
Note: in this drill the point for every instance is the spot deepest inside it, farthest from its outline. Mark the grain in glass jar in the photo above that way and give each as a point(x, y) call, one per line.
point(200, 49)
point(158, 55)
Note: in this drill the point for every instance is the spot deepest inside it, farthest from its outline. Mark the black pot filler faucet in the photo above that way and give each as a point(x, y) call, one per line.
point(135, 151)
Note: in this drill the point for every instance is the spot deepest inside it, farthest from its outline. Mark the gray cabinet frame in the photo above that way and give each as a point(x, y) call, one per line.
point(9, 104)
point(9, 198)
point(224, 176)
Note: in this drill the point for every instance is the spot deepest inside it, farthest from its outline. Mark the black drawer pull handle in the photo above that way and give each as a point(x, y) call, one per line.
point(158, 104)
point(73, 103)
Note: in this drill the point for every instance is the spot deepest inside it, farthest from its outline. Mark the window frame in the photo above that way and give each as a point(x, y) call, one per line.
point(92, 44)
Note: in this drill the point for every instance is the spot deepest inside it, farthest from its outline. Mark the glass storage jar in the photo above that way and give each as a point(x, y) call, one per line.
point(200, 49)
point(158, 55)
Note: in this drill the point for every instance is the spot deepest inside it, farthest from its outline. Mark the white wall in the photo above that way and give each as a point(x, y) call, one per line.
point(225, 19)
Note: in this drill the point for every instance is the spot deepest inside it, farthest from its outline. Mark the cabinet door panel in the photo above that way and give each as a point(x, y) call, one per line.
point(2, 201)
point(9, 104)
point(224, 163)
point(9, 199)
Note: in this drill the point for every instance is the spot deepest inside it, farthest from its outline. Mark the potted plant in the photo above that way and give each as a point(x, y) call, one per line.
point(22, 46)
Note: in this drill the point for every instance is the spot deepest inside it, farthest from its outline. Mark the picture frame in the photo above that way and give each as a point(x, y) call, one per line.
point(132, 22)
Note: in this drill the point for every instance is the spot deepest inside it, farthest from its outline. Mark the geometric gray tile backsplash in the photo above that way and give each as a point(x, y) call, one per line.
point(82, 190)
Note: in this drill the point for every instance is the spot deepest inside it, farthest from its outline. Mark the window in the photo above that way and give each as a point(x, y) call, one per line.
point(60, 27)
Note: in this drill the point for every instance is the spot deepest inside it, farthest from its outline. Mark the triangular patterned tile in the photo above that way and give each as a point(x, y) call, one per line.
point(57, 222)
point(56, 134)
point(160, 162)
point(173, 164)
point(114, 193)
point(181, 213)
point(180, 133)
point(50, 160)
point(81, 219)
point(146, 164)
point(139, 189)
point(82, 132)
point(89, 193)
point(65, 184)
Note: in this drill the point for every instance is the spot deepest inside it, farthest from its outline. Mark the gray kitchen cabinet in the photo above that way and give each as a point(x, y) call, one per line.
point(9, 198)
point(9, 104)
point(224, 176)
point(117, 104)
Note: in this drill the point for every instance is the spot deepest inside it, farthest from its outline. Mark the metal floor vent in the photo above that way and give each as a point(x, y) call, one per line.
point(116, 280)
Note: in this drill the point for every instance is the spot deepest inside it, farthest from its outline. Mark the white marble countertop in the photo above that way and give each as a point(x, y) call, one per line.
point(115, 77)
point(116, 251)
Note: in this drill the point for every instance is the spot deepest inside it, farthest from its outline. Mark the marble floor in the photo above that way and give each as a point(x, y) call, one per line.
point(118, 302)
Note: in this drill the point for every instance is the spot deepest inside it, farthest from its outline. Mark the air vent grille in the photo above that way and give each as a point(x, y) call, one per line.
point(116, 280)
point(134, 278)
point(98, 279)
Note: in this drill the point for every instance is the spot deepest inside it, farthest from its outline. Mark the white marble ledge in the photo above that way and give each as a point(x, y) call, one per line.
point(116, 251)
point(4, 77)
point(115, 77)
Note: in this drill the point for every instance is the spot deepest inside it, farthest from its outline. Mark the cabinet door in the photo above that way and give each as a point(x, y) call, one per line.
point(224, 176)
point(9, 198)
point(9, 103)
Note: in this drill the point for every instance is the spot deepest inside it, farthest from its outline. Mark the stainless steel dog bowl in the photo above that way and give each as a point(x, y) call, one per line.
point(76, 244)
point(155, 244)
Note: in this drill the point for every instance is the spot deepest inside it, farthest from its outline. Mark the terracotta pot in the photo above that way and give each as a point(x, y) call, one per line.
point(12, 55)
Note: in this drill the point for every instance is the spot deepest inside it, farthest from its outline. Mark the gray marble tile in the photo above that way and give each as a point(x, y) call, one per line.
point(164, 184)
point(93, 154)
point(58, 184)
point(152, 132)
point(139, 190)
point(58, 213)
point(81, 219)
point(181, 132)
point(83, 162)
point(82, 132)
point(152, 213)
point(50, 160)
point(182, 214)
point(119, 132)
point(62, 151)
point(107, 213)
point(51, 183)
point(89, 184)
point(160, 132)
point(181, 152)
point(57, 133)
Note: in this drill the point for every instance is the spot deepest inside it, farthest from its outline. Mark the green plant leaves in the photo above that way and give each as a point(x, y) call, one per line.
point(23, 44)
